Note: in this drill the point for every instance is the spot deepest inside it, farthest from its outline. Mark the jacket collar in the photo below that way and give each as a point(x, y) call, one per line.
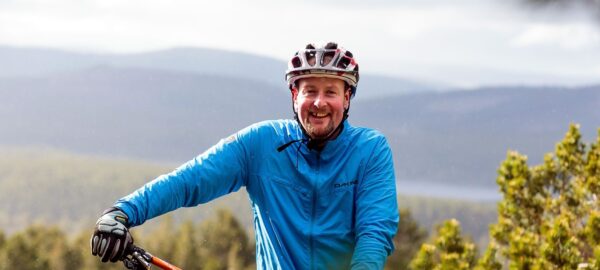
point(333, 147)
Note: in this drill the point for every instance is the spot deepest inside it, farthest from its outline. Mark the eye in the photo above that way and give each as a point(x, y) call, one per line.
point(309, 91)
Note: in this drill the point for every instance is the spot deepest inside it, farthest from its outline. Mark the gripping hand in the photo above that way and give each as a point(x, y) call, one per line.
point(111, 238)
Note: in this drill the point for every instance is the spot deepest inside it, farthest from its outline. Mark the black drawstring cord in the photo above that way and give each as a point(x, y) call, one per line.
point(297, 154)
point(284, 146)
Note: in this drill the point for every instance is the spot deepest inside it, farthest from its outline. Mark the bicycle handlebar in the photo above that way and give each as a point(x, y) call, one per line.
point(139, 259)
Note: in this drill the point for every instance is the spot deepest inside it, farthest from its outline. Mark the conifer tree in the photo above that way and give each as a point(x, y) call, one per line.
point(2, 253)
point(39, 247)
point(21, 254)
point(2, 239)
point(489, 261)
point(449, 250)
point(225, 244)
point(87, 261)
point(53, 246)
point(186, 252)
point(161, 240)
point(548, 218)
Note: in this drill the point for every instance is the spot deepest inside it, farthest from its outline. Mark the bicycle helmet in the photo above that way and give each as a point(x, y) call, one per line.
point(327, 61)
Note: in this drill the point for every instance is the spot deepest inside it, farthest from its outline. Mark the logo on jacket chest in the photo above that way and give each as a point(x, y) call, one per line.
point(345, 184)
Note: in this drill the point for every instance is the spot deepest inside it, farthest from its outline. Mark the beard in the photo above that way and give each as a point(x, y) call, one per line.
point(318, 132)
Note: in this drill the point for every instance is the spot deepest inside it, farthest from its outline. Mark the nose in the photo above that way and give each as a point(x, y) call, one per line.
point(319, 102)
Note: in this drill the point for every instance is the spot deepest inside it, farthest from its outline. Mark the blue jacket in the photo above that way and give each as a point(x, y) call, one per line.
point(333, 209)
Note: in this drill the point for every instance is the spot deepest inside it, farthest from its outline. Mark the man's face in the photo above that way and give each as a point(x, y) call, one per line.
point(320, 104)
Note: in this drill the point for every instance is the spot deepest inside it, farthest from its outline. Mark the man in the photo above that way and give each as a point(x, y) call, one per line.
point(322, 191)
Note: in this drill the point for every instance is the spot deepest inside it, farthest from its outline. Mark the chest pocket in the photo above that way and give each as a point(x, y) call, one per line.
point(284, 196)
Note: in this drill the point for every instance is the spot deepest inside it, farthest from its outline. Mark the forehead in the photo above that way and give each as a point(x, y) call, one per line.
point(320, 82)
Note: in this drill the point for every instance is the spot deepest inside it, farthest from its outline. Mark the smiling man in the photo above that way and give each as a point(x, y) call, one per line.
point(326, 202)
point(320, 103)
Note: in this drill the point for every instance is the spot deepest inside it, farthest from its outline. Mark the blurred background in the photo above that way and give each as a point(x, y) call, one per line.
point(99, 97)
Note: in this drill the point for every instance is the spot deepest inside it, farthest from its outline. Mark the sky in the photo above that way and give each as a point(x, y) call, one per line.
point(462, 43)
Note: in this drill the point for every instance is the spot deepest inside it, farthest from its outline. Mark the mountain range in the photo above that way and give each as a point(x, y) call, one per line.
point(171, 105)
point(32, 62)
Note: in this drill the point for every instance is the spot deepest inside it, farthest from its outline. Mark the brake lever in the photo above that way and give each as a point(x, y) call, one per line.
point(138, 259)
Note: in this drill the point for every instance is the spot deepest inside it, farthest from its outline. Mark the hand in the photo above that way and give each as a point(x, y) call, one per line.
point(111, 238)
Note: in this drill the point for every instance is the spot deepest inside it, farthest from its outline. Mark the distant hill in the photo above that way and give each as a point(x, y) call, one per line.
point(139, 113)
point(456, 138)
point(460, 138)
point(41, 62)
point(28, 62)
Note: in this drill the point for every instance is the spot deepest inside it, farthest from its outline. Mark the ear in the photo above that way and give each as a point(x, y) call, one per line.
point(294, 92)
point(347, 98)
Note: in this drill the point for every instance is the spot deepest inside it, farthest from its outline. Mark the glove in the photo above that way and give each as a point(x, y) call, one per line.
point(111, 238)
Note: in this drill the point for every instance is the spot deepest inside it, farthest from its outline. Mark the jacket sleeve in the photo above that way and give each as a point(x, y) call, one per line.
point(220, 170)
point(376, 210)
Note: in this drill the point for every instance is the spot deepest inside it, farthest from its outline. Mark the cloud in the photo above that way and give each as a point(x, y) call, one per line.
point(571, 36)
point(411, 22)
point(406, 38)
point(596, 71)
point(374, 4)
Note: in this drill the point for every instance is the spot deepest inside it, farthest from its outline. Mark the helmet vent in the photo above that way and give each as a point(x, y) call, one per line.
point(344, 62)
point(310, 57)
point(331, 46)
point(296, 62)
point(327, 57)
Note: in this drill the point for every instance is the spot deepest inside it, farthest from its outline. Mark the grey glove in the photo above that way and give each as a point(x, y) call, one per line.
point(111, 238)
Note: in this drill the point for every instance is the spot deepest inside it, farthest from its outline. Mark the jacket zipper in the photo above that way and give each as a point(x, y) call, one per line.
point(314, 206)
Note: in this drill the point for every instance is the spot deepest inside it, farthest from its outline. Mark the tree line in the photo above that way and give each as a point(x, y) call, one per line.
point(218, 243)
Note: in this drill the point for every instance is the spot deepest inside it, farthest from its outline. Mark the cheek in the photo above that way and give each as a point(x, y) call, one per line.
point(300, 106)
point(341, 105)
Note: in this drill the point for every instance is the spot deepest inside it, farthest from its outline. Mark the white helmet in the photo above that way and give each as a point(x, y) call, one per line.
point(327, 61)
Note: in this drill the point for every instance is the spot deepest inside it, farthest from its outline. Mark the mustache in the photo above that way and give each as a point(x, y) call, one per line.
point(318, 111)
